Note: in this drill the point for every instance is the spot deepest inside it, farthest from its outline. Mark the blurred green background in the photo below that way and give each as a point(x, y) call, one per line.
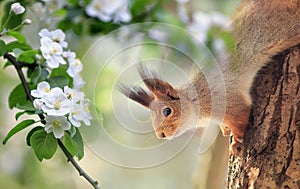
point(19, 169)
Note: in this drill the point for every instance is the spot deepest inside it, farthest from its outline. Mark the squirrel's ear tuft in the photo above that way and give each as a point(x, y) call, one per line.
point(137, 94)
point(161, 89)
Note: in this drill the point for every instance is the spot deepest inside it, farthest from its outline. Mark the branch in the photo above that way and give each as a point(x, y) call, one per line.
point(81, 172)
point(18, 66)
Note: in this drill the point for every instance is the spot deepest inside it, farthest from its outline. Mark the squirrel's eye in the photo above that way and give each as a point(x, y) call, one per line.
point(167, 111)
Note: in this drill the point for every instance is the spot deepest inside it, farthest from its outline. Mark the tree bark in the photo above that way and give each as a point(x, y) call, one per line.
point(271, 154)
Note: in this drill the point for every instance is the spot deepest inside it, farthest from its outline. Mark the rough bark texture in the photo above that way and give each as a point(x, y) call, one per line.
point(271, 154)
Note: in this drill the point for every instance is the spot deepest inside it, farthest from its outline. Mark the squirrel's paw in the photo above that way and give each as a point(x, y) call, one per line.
point(237, 143)
point(225, 130)
point(236, 146)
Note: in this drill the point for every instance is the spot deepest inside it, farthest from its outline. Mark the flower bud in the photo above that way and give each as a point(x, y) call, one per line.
point(27, 22)
point(17, 8)
point(37, 103)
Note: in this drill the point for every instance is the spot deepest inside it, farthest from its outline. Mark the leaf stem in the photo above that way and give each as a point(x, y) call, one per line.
point(18, 67)
point(6, 21)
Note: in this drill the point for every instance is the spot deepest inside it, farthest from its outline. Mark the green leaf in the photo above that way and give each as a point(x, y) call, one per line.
point(18, 97)
point(16, 45)
point(19, 114)
point(31, 133)
point(64, 25)
point(19, 37)
point(87, 1)
point(58, 81)
point(17, 52)
point(70, 144)
point(77, 28)
point(62, 71)
point(22, 113)
point(44, 145)
point(8, 63)
point(27, 56)
point(139, 6)
point(74, 2)
point(228, 39)
point(34, 77)
point(3, 48)
point(72, 13)
point(18, 128)
point(28, 106)
point(44, 74)
point(15, 20)
point(72, 131)
point(78, 139)
point(60, 12)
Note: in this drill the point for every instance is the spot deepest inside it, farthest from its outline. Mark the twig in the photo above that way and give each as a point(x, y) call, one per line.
point(18, 66)
point(81, 172)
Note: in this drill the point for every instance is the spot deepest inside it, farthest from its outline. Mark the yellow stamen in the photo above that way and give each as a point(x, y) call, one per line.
point(47, 90)
point(56, 123)
point(57, 105)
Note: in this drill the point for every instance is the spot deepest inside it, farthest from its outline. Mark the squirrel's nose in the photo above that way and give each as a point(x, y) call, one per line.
point(160, 134)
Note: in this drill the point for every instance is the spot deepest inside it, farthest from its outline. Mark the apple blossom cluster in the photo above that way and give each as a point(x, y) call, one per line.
point(109, 10)
point(53, 50)
point(67, 106)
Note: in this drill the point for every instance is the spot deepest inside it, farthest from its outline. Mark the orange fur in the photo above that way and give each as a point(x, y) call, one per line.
point(261, 29)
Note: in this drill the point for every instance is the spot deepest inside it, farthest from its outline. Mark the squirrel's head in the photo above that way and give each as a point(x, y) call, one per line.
point(170, 110)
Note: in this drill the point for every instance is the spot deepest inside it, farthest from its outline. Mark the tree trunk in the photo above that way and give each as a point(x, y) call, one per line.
point(271, 154)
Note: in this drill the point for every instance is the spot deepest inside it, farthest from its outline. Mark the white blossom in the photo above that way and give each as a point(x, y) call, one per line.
point(183, 13)
point(74, 68)
point(52, 52)
point(75, 65)
point(42, 89)
point(74, 115)
point(39, 8)
point(80, 112)
point(219, 20)
point(45, 33)
point(57, 125)
point(107, 10)
point(94, 9)
point(57, 36)
point(69, 55)
point(54, 5)
point(73, 94)
point(78, 82)
point(158, 34)
point(86, 115)
point(123, 14)
point(17, 8)
point(56, 103)
point(200, 26)
point(202, 22)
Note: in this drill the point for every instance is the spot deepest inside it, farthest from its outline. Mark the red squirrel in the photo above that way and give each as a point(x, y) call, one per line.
point(261, 29)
